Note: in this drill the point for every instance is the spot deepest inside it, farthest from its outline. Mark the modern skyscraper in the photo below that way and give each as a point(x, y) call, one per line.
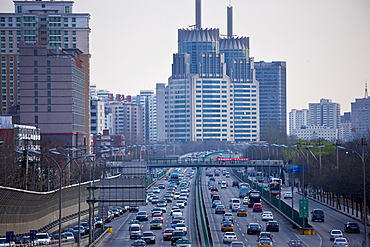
point(360, 117)
point(212, 94)
point(147, 100)
point(326, 114)
point(37, 22)
point(272, 87)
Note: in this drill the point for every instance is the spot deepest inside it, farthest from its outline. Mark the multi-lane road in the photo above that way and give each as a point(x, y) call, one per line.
point(333, 220)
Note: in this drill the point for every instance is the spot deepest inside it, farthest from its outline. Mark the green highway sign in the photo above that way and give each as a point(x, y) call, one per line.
point(303, 208)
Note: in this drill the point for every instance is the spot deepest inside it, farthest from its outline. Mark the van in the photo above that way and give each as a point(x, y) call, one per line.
point(317, 215)
point(234, 201)
point(135, 231)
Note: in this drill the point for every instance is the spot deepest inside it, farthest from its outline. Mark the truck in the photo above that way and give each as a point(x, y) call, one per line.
point(244, 189)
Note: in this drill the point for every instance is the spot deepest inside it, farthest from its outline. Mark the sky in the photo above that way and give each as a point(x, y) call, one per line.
point(326, 43)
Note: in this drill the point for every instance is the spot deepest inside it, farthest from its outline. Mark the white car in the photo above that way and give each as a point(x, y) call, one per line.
point(229, 237)
point(70, 237)
point(288, 195)
point(335, 233)
point(176, 213)
point(245, 200)
point(228, 217)
point(340, 242)
point(180, 203)
point(267, 215)
point(182, 227)
point(156, 190)
point(43, 238)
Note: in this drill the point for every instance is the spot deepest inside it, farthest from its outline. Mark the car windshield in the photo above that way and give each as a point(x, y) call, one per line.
point(148, 234)
point(229, 234)
point(336, 232)
point(342, 240)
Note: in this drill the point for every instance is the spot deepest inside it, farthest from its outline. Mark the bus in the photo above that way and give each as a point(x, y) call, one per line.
point(275, 186)
point(259, 177)
point(254, 196)
point(244, 189)
point(174, 178)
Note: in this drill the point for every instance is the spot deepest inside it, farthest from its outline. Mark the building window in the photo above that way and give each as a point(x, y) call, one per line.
point(36, 93)
point(35, 63)
point(49, 85)
point(35, 70)
point(35, 78)
point(49, 108)
point(19, 9)
point(48, 70)
point(67, 10)
point(43, 6)
point(48, 78)
point(36, 101)
point(36, 86)
point(49, 101)
point(48, 63)
point(36, 119)
point(49, 93)
point(36, 108)
point(35, 52)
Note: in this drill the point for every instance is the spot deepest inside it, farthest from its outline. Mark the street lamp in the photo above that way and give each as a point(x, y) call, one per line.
point(320, 147)
point(363, 160)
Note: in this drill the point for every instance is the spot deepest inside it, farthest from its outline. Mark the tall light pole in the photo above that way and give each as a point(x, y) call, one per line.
point(363, 161)
point(320, 147)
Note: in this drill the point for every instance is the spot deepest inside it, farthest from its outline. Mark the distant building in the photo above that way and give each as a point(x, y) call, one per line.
point(360, 117)
point(106, 140)
point(298, 119)
point(97, 116)
point(316, 132)
point(325, 114)
point(53, 93)
point(147, 100)
point(272, 96)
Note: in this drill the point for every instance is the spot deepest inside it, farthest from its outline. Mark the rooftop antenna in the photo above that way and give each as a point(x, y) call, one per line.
point(198, 14)
point(230, 21)
point(366, 95)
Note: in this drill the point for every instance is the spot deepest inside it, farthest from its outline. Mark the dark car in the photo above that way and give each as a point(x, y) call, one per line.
point(253, 228)
point(142, 215)
point(295, 243)
point(214, 188)
point(220, 209)
point(317, 215)
point(139, 243)
point(176, 235)
point(148, 237)
point(215, 203)
point(351, 227)
point(134, 209)
point(167, 233)
point(272, 226)
point(235, 184)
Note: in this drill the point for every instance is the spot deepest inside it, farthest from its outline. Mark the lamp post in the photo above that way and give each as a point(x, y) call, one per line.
point(320, 147)
point(363, 161)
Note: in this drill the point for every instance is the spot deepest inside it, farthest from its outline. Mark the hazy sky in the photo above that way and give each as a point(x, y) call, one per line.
point(326, 43)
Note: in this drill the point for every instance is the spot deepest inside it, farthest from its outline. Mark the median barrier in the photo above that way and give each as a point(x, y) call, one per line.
point(110, 229)
point(307, 231)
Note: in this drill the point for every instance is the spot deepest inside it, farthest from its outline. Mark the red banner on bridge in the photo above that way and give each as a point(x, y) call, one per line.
point(233, 159)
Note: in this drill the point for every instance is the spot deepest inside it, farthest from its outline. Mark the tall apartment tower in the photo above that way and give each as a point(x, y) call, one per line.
point(147, 100)
point(360, 117)
point(52, 93)
point(325, 114)
point(212, 94)
point(272, 94)
point(298, 119)
point(51, 23)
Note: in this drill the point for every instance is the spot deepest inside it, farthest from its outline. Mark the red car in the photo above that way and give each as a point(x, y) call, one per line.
point(257, 207)
point(167, 234)
point(157, 216)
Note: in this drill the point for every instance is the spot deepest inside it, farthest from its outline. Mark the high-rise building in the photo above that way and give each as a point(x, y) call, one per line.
point(51, 23)
point(271, 77)
point(298, 119)
point(147, 100)
point(326, 114)
point(52, 93)
point(360, 117)
point(212, 94)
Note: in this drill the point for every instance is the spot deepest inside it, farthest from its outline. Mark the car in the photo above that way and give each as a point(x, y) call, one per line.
point(176, 213)
point(235, 184)
point(167, 234)
point(220, 209)
point(253, 228)
point(264, 235)
point(168, 199)
point(335, 233)
point(228, 217)
point(237, 244)
point(20, 241)
point(215, 203)
point(80, 230)
point(161, 186)
point(265, 242)
point(245, 200)
point(272, 226)
point(183, 242)
point(223, 185)
point(257, 207)
point(216, 197)
point(158, 216)
point(288, 195)
point(340, 242)
point(134, 209)
point(43, 238)
point(148, 237)
point(213, 189)
point(176, 235)
point(227, 226)
point(176, 195)
point(229, 237)
point(235, 207)
point(242, 212)
point(175, 222)
point(69, 236)
point(182, 227)
point(135, 231)
point(180, 203)
point(317, 214)
point(142, 216)
point(351, 227)
point(139, 243)
point(295, 243)
point(156, 190)
point(156, 224)
point(267, 215)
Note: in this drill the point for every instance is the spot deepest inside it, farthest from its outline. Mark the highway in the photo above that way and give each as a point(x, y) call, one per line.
point(333, 220)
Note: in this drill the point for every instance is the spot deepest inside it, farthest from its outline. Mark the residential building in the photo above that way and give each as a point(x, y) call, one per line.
point(147, 100)
point(212, 94)
point(316, 132)
point(326, 114)
point(298, 119)
point(360, 117)
point(97, 116)
point(272, 95)
point(50, 23)
point(53, 93)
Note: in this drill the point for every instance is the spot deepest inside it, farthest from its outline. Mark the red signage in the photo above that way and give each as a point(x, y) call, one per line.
point(233, 159)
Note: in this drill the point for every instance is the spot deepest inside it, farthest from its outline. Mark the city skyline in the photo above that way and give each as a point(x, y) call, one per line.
point(324, 43)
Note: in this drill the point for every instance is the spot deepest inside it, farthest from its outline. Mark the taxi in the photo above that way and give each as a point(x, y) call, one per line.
point(156, 224)
point(176, 195)
point(242, 212)
point(227, 226)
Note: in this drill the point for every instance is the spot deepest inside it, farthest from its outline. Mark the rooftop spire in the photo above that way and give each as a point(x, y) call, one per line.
point(229, 22)
point(198, 14)
point(366, 95)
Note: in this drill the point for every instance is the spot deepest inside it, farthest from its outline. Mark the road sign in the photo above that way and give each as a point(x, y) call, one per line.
point(303, 208)
point(295, 169)
point(10, 236)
